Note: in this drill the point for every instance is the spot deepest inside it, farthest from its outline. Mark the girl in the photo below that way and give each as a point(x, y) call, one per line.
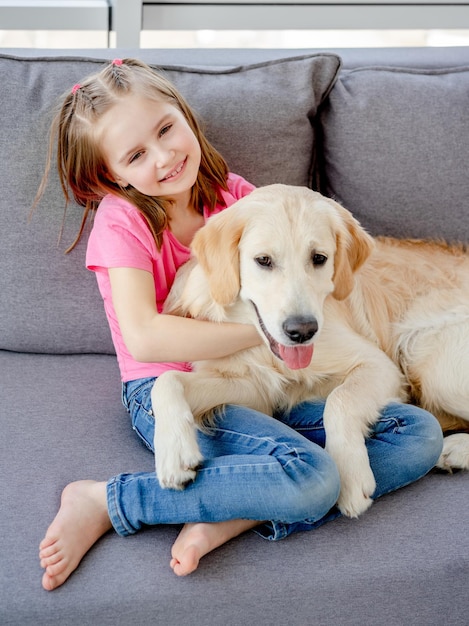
point(131, 150)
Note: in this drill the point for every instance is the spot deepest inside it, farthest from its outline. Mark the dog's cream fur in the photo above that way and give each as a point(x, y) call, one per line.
point(388, 320)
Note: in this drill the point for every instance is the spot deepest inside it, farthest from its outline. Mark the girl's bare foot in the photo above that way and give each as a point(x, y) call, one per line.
point(82, 519)
point(196, 540)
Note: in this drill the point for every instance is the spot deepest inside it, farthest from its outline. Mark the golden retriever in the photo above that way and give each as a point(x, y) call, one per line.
point(356, 320)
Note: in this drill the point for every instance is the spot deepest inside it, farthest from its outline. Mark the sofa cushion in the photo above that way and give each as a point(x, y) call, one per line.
point(260, 117)
point(404, 562)
point(396, 150)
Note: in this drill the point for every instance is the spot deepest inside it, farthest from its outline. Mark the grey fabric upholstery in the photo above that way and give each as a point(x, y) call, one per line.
point(379, 122)
point(406, 561)
point(261, 116)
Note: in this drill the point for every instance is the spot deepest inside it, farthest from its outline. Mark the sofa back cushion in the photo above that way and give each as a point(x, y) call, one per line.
point(260, 116)
point(396, 150)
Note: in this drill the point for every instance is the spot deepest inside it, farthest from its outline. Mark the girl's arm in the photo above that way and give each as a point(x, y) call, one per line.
point(153, 337)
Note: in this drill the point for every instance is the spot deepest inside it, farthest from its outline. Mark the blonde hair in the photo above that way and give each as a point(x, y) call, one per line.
point(82, 170)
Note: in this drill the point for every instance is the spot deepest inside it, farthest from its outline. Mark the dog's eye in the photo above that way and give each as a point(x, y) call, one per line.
point(318, 259)
point(264, 261)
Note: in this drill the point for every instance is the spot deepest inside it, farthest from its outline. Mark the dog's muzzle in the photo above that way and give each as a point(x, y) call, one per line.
point(299, 330)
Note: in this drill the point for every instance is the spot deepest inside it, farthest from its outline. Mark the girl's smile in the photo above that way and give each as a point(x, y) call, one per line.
point(149, 145)
point(170, 177)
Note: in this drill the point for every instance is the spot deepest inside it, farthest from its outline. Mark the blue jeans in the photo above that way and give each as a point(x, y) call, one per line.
point(261, 468)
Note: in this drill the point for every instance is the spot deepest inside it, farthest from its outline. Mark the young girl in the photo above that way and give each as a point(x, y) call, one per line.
point(131, 150)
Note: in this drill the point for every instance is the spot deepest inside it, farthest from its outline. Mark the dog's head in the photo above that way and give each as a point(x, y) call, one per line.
point(282, 249)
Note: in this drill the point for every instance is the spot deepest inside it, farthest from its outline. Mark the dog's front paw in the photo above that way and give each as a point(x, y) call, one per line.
point(355, 495)
point(174, 478)
point(177, 456)
point(455, 453)
point(357, 482)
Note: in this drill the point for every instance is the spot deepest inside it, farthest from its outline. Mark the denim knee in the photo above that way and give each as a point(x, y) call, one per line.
point(424, 431)
point(316, 489)
point(404, 446)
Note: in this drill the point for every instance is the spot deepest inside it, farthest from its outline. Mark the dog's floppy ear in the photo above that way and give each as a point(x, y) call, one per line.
point(216, 249)
point(354, 246)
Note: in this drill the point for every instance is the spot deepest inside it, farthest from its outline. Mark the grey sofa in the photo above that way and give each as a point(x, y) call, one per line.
point(386, 132)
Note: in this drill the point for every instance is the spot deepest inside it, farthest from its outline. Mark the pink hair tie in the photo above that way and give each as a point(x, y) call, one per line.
point(75, 88)
point(117, 62)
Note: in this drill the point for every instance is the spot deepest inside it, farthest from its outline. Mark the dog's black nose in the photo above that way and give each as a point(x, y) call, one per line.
point(300, 328)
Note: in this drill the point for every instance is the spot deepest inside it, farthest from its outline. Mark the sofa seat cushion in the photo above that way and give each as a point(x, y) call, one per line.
point(404, 562)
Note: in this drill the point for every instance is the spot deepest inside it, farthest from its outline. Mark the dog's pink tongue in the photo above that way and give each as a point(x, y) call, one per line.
point(296, 357)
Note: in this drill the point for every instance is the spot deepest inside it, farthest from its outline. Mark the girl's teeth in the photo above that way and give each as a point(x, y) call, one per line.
point(176, 171)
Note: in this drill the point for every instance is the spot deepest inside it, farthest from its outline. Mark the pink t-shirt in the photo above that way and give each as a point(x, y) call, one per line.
point(120, 237)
